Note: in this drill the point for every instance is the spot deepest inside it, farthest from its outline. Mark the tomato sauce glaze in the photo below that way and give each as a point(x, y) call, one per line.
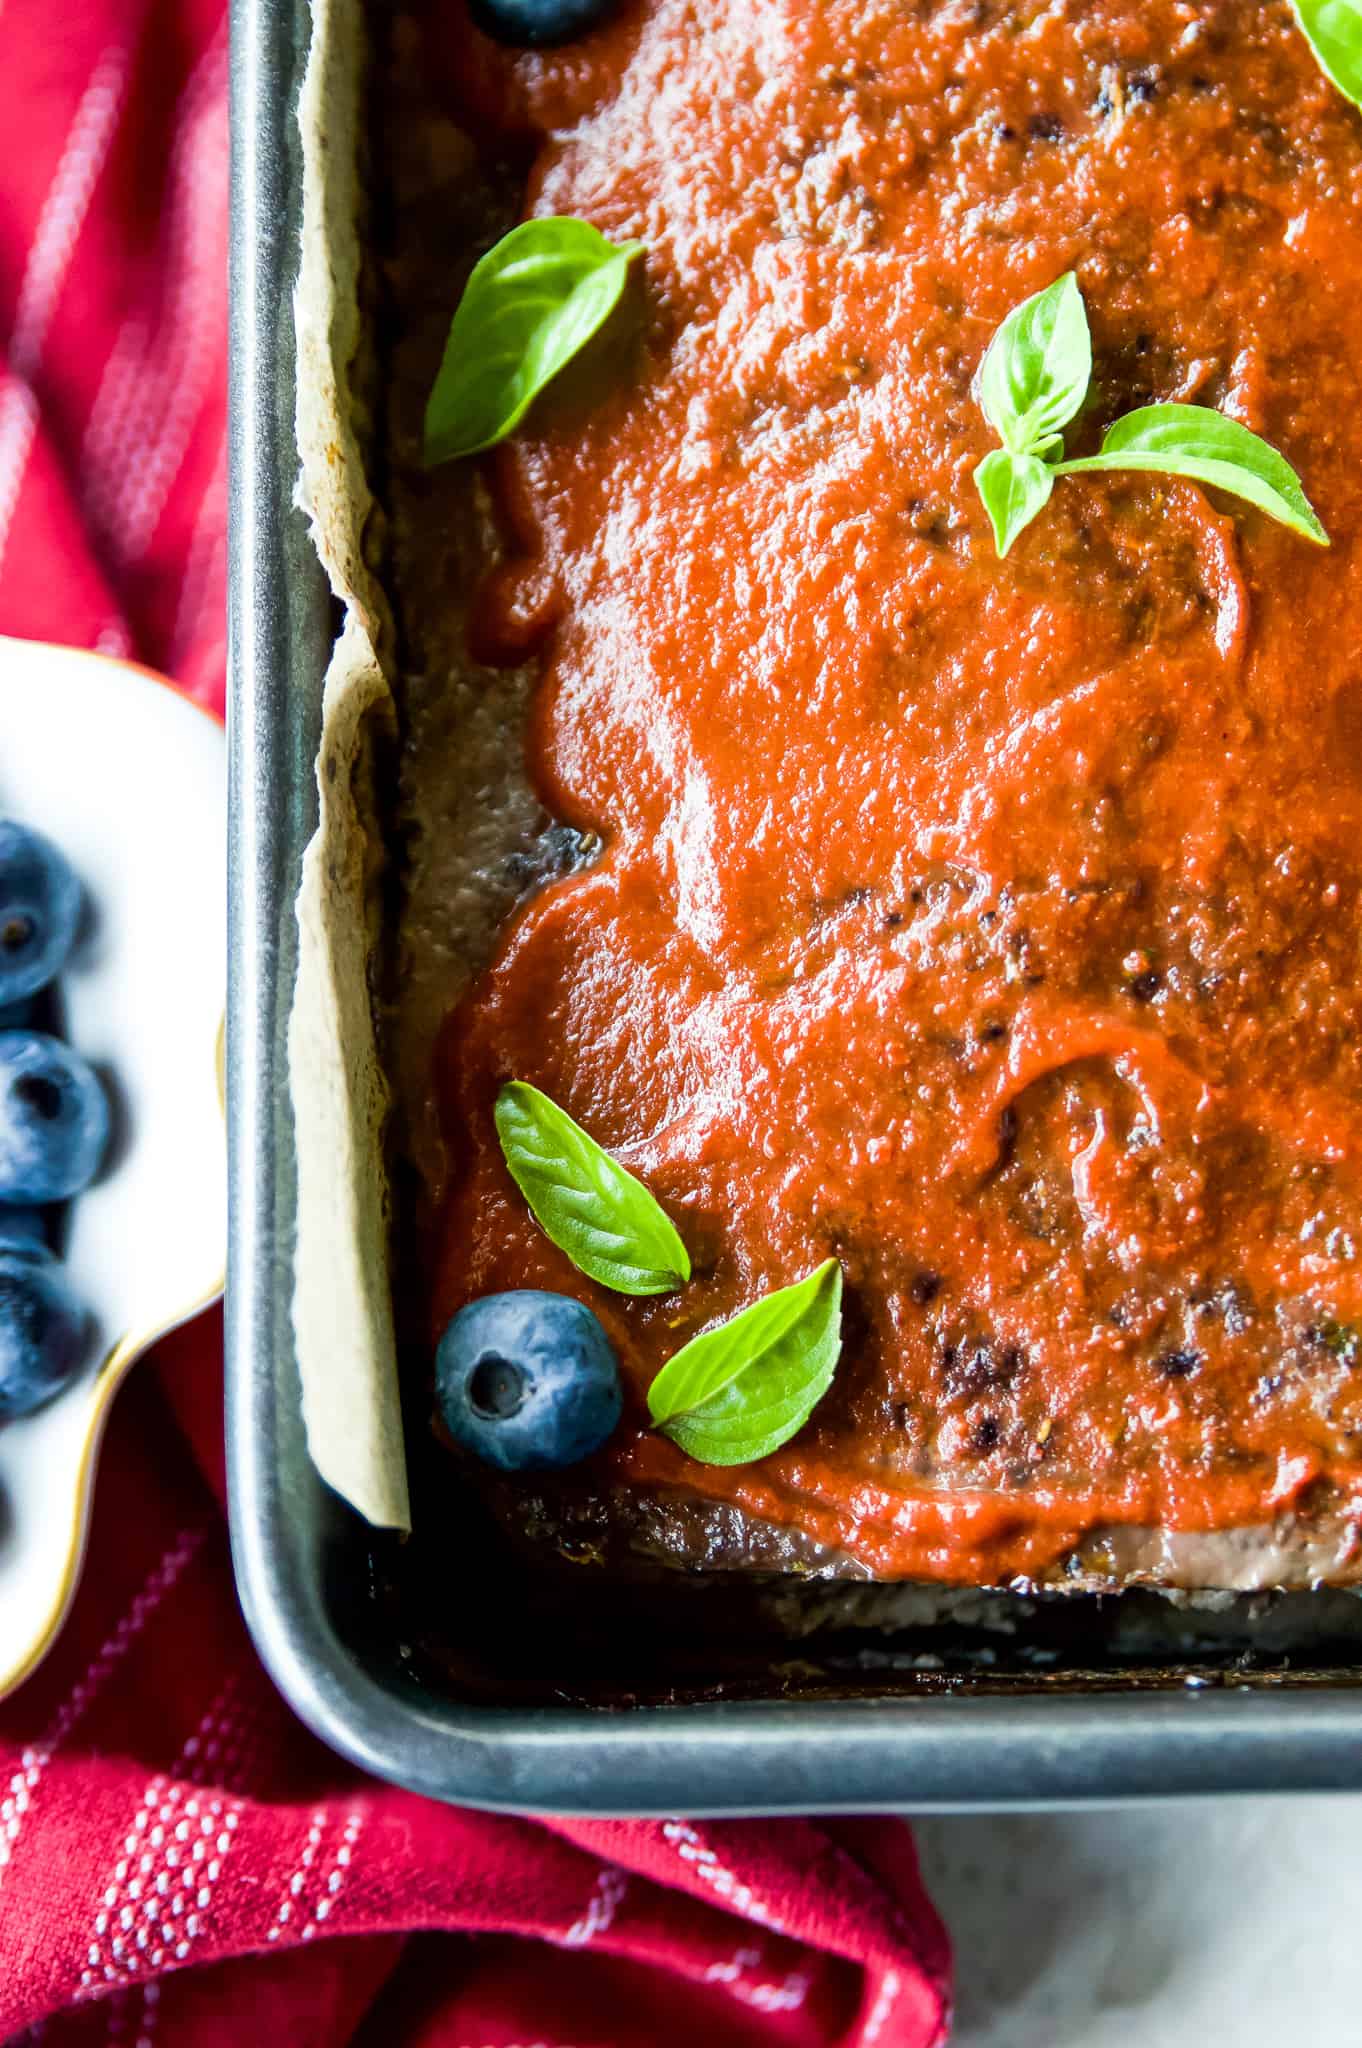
point(990, 926)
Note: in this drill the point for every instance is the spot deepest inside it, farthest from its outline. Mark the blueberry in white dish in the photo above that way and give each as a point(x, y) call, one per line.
point(42, 1331)
point(40, 902)
point(54, 1120)
point(538, 24)
point(527, 1380)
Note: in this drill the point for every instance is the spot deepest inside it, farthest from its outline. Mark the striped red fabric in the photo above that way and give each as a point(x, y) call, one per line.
point(179, 1862)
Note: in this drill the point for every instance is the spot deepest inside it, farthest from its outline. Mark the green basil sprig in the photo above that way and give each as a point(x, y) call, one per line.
point(1194, 441)
point(1014, 487)
point(1037, 369)
point(530, 304)
point(731, 1395)
point(1034, 378)
point(606, 1221)
point(736, 1394)
point(1333, 29)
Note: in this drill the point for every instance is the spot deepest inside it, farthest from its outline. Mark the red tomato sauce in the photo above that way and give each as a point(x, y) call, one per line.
point(991, 926)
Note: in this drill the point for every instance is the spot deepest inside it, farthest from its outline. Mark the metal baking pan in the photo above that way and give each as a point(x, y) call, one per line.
point(1113, 1728)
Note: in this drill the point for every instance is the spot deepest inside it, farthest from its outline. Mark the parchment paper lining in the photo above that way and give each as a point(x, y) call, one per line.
point(342, 1304)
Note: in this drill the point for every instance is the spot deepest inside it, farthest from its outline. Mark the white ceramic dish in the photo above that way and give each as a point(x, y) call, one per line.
point(130, 780)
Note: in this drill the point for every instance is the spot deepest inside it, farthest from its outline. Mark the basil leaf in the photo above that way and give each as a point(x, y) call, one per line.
point(1013, 488)
point(735, 1394)
point(609, 1225)
point(1035, 375)
point(1197, 442)
point(1333, 29)
point(1037, 368)
point(530, 304)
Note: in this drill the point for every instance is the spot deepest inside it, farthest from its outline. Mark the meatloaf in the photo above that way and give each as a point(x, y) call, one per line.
point(990, 925)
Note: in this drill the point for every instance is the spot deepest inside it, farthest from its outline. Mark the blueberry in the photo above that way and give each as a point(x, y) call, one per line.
point(536, 24)
point(23, 1231)
point(39, 911)
point(42, 1332)
point(527, 1380)
point(54, 1119)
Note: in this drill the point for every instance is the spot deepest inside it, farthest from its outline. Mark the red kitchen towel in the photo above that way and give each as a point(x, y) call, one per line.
point(179, 1862)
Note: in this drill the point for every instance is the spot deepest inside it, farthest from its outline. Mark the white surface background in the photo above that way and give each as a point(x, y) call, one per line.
point(1220, 1924)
